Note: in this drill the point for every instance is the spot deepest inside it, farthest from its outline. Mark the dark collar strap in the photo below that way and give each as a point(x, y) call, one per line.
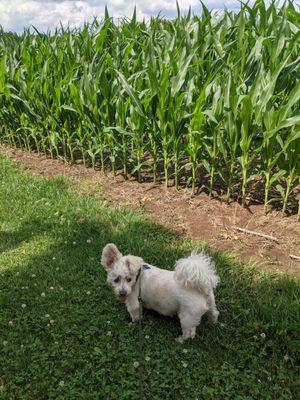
point(138, 275)
point(144, 266)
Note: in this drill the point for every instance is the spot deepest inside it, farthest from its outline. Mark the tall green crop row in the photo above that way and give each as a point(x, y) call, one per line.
point(208, 101)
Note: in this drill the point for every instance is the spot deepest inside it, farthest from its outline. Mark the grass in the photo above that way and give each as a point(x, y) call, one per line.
point(73, 340)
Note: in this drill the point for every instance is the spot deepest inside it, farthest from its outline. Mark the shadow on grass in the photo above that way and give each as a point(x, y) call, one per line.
point(28, 229)
point(65, 336)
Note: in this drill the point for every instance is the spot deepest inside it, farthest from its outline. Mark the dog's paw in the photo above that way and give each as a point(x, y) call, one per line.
point(180, 339)
point(134, 320)
point(213, 317)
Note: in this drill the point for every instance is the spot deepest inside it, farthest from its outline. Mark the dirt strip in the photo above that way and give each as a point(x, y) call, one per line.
point(199, 217)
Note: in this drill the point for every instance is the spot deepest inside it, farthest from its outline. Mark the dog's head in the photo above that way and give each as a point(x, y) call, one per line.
point(121, 270)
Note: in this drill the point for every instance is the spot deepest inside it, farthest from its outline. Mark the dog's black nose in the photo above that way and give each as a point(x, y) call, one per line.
point(122, 292)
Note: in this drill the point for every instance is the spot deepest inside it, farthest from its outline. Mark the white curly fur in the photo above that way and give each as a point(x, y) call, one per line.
point(197, 271)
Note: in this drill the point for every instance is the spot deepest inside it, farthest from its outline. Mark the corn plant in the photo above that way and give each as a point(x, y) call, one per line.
point(213, 96)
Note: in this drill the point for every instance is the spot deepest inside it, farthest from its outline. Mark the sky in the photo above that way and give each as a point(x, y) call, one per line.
point(47, 14)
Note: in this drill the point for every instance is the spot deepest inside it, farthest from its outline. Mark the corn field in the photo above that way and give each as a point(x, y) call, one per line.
point(209, 102)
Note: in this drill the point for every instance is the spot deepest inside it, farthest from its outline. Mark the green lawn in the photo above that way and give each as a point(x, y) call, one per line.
point(63, 335)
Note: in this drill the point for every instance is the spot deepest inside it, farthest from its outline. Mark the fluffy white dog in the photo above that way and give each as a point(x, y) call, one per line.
point(187, 291)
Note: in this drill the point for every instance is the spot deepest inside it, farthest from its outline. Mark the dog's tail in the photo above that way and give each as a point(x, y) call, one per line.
point(197, 271)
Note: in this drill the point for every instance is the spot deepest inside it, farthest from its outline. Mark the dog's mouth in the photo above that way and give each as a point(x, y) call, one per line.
point(122, 298)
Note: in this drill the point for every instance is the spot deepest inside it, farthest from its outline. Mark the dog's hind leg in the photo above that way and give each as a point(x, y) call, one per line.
point(213, 312)
point(189, 323)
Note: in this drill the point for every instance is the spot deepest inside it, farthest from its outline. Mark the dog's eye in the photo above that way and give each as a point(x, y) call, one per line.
point(117, 280)
point(128, 279)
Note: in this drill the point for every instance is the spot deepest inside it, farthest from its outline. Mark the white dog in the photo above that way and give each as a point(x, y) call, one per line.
point(187, 291)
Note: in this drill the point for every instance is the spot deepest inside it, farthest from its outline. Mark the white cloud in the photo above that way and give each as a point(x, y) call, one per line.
point(47, 14)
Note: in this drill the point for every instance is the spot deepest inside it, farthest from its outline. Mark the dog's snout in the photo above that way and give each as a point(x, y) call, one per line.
point(122, 292)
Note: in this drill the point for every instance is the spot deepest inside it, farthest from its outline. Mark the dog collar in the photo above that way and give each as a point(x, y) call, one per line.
point(144, 266)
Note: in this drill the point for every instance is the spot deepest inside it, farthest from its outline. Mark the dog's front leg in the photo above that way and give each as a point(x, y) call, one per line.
point(134, 309)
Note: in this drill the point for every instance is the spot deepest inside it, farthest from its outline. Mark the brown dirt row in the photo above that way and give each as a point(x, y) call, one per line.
point(198, 217)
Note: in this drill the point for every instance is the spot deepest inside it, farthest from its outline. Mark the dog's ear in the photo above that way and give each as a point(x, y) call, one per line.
point(110, 255)
point(134, 263)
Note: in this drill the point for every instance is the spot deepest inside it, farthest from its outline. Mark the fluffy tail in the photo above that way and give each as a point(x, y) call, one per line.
point(197, 271)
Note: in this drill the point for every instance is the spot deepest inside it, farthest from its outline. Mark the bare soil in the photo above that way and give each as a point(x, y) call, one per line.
point(199, 217)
